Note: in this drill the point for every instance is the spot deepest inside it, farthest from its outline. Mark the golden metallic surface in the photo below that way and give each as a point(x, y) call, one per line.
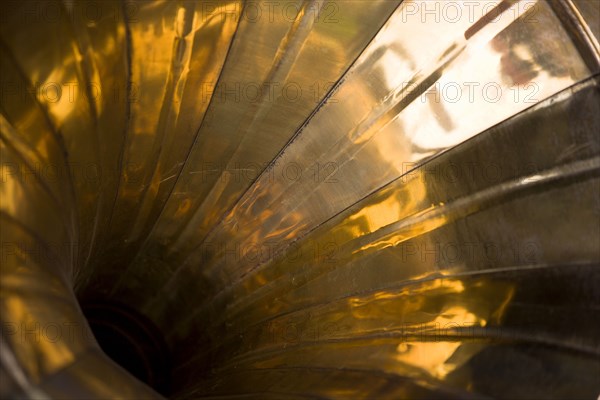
point(265, 92)
point(309, 199)
point(393, 133)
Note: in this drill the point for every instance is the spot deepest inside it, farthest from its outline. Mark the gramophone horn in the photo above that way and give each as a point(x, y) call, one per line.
point(300, 199)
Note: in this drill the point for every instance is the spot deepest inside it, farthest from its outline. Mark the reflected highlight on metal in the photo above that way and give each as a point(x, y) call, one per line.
point(300, 199)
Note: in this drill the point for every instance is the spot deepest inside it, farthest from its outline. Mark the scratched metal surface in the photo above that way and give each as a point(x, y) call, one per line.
point(309, 199)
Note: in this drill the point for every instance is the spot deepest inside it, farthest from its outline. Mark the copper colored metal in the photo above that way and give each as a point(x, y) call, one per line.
point(300, 199)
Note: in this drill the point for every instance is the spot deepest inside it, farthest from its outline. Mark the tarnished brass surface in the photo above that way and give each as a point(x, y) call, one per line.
point(310, 199)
